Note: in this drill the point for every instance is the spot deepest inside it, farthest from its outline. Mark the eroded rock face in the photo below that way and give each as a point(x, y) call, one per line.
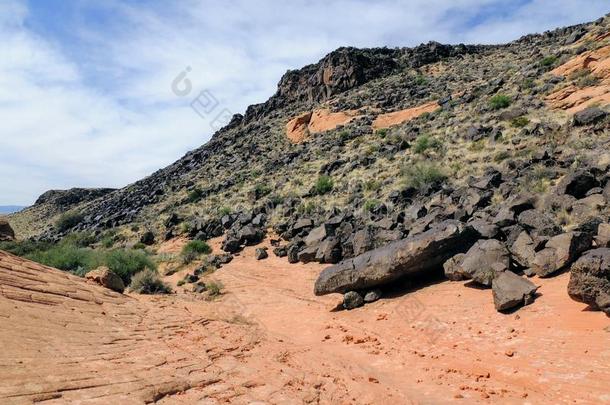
point(6, 232)
point(590, 279)
point(58, 323)
point(510, 291)
point(412, 256)
point(106, 278)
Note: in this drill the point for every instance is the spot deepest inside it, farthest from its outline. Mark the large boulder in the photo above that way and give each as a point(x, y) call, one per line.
point(106, 278)
point(524, 250)
point(589, 116)
point(6, 232)
point(453, 268)
point(561, 251)
point(510, 291)
point(415, 255)
point(590, 279)
point(577, 184)
point(485, 260)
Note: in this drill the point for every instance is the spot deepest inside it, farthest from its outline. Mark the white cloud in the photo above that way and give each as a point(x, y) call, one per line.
point(98, 110)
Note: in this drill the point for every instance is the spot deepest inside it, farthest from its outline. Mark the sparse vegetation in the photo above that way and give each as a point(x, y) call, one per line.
point(520, 122)
point(324, 185)
point(68, 221)
point(148, 282)
point(193, 249)
point(501, 156)
point(214, 288)
point(548, 61)
point(370, 205)
point(425, 142)
point(382, 132)
point(423, 174)
point(499, 101)
point(195, 195)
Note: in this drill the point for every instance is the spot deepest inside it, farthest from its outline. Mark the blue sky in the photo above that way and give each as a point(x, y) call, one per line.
point(86, 95)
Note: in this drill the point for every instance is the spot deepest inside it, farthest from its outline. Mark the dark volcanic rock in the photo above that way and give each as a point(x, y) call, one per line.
point(261, 254)
point(453, 268)
point(577, 184)
point(6, 232)
point(415, 255)
point(352, 300)
point(524, 250)
point(590, 279)
point(372, 296)
point(560, 251)
point(485, 260)
point(510, 291)
point(589, 116)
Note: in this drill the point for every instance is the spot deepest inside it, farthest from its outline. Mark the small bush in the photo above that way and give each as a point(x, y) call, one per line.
point(520, 122)
point(224, 211)
point(499, 101)
point(370, 205)
point(68, 220)
point(372, 185)
point(324, 185)
point(197, 246)
point(501, 156)
point(139, 246)
point(425, 142)
point(382, 132)
point(423, 174)
point(420, 80)
point(262, 190)
point(548, 61)
point(148, 282)
point(126, 263)
point(195, 195)
point(214, 288)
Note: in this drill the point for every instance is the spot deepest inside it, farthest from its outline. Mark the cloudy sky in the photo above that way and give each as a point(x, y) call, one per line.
point(91, 93)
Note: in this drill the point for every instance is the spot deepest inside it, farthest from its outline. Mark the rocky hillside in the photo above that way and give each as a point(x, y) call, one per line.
point(367, 147)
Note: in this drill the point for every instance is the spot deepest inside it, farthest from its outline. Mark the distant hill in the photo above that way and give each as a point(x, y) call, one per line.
point(9, 209)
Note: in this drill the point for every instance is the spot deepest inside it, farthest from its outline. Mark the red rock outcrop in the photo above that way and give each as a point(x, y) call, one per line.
point(572, 98)
point(398, 117)
point(300, 127)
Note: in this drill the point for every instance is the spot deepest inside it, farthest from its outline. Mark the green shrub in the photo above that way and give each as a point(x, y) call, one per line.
point(501, 156)
point(224, 211)
point(370, 205)
point(148, 282)
point(24, 248)
point(68, 220)
point(499, 101)
point(139, 246)
point(197, 246)
point(420, 80)
point(262, 190)
point(425, 142)
point(548, 61)
point(372, 185)
point(214, 288)
point(68, 258)
point(126, 263)
point(519, 122)
point(194, 195)
point(423, 174)
point(382, 132)
point(324, 185)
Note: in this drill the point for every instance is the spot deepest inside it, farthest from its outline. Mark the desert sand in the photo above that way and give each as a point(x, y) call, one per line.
point(269, 340)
